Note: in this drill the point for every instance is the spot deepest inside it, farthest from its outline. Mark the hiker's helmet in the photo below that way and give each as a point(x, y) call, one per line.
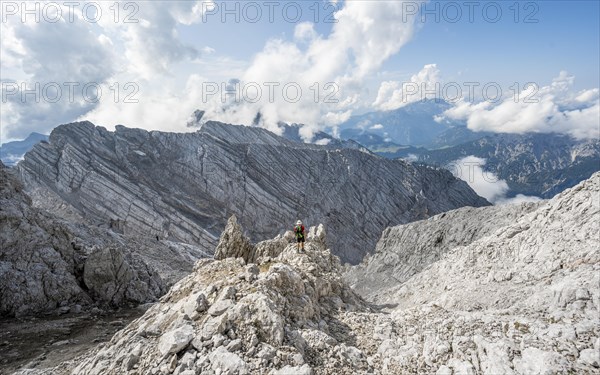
point(298, 222)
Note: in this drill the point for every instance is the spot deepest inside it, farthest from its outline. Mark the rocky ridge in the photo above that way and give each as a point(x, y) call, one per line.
point(183, 187)
point(522, 299)
point(405, 250)
point(284, 314)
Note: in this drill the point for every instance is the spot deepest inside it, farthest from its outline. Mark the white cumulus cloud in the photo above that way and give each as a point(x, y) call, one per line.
point(330, 69)
point(552, 108)
point(106, 54)
point(397, 94)
point(52, 72)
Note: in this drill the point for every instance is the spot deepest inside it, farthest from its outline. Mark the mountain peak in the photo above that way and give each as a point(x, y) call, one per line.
point(242, 317)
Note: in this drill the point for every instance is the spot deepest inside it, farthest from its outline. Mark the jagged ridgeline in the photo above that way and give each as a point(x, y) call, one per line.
point(183, 187)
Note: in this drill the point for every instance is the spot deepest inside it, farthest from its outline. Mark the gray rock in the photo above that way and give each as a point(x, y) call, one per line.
point(214, 325)
point(590, 357)
point(235, 345)
point(196, 306)
point(227, 362)
point(184, 187)
point(49, 263)
point(536, 361)
point(455, 316)
point(296, 370)
point(218, 340)
point(175, 340)
point(406, 250)
point(220, 306)
point(131, 361)
point(233, 243)
point(188, 360)
point(495, 324)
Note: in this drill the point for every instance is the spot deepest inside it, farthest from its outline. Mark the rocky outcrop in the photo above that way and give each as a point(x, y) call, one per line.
point(405, 250)
point(184, 187)
point(49, 264)
point(233, 243)
point(522, 300)
point(279, 316)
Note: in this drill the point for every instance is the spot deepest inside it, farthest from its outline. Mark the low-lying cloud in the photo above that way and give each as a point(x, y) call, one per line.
point(486, 184)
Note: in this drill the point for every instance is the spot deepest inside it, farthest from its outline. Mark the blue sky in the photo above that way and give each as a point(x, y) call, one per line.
point(176, 49)
point(565, 38)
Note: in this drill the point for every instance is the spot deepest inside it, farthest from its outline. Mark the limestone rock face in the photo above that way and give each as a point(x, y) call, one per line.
point(234, 244)
point(47, 263)
point(108, 275)
point(405, 250)
point(521, 299)
point(184, 187)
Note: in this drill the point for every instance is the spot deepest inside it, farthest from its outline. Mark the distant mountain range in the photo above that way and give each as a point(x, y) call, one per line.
point(12, 152)
point(541, 165)
point(412, 125)
point(532, 164)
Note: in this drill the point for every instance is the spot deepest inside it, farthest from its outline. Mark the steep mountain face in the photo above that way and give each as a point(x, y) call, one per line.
point(532, 164)
point(47, 263)
point(523, 299)
point(182, 187)
point(405, 250)
point(12, 152)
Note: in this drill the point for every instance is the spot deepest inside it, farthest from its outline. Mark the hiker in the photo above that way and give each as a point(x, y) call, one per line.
point(299, 231)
